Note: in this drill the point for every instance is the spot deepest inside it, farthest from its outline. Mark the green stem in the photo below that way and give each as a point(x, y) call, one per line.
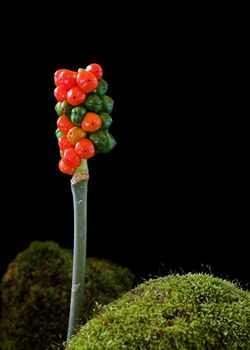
point(79, 188)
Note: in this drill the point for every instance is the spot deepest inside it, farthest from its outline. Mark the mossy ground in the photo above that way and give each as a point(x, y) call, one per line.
point(36, 295)
point(188, 312)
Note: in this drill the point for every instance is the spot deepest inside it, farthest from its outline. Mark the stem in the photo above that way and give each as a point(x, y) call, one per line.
point(79, 188)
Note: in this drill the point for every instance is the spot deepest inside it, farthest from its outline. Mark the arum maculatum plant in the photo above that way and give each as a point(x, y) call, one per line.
point(83, 123)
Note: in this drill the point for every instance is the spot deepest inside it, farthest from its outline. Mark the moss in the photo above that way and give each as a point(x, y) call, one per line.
point(36, 294)
point(193, 311)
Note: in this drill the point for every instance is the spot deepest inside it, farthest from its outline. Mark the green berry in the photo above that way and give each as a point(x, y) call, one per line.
point(77, 115)
point(63, 108)
point(106, 120)
point(102, 87)
point(58, 133)
point(108, 104)
point(93, 103)
point(104, 142)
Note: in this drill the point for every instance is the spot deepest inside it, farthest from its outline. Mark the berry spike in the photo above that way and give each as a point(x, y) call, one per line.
point(83, 108)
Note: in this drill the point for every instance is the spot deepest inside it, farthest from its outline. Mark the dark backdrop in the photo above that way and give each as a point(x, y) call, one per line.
point(171, 196)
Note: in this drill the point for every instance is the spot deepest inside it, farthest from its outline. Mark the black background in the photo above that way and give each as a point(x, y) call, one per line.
point(171, 196)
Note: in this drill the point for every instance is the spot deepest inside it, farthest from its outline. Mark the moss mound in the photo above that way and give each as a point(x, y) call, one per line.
point(36, 294)
point(193, 311)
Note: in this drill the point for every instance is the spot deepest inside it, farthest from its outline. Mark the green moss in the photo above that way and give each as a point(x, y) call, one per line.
point(36, 294)
point(189, 312)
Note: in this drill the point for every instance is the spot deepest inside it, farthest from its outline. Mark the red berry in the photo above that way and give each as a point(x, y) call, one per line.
point(70, 158)
point(64, 124)
point(65, 168)
point(66, 78)
point(76, 96)
point(91, 122)
point(60, 93)
point(96, 69)
point(57, 76)
point(85, 148)
point(87, 81)
point(64, 143)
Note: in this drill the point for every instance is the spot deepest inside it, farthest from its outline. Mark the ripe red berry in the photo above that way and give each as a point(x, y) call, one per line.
point(66, 78)
point(76, 96)
point(70, 158)
point(64, 124)
point(57, 78)
point(60, 93)
point(64, 143)
point(91, 122)
point(85, 148)
point(96, 69)
point(86, 81)
point(65, 168)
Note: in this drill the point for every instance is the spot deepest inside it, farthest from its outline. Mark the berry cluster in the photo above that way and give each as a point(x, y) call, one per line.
point(84, 115)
